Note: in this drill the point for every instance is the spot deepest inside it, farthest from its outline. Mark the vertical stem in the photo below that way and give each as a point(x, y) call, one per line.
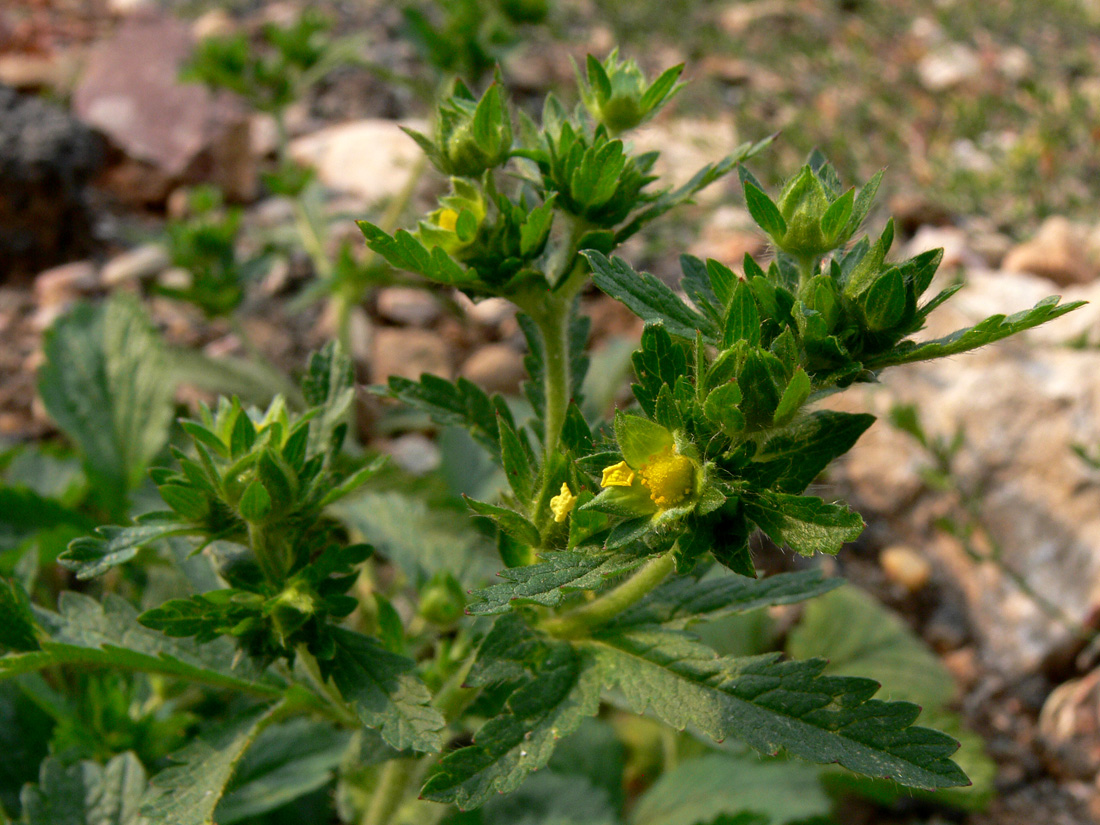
point(390, 792)
point(554, 326)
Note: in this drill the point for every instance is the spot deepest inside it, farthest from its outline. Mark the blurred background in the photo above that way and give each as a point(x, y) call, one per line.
point(212, 157)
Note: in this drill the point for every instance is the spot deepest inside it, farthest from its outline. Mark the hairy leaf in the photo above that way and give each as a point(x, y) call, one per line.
point(551, 704)
point(17, 625)
point(700, 791)
point(85, 632)
point(86, 793)
point(806, 524)
point(790, 460)
point(91, 556)
point(684, 599)
point(991, 329)
point(104, 384)
point(385, 692)
point(648, 297)
point(772, 704)
point(547, 582)
point(187, 793)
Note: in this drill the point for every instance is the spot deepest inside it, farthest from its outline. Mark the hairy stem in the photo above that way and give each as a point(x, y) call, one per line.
point(606, 607)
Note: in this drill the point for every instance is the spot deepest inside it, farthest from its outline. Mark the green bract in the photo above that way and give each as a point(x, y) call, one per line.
point(471, 135)
point(617, 95)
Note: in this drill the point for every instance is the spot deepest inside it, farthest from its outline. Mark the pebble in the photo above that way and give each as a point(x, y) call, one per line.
point(408, 353)
point(496, 368)
point(63, 284)
point(415, 453)
point(905, 566)
point(146, 261)
point(406, 305)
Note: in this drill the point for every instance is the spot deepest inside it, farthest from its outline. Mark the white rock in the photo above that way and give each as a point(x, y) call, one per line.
point(948, 66)
point(369, 158)
point(495, 368)
point(1061, 251)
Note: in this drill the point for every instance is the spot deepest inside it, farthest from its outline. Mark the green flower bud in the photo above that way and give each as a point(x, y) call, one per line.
point(471, 135)
point(442, 601)
point(616, 93)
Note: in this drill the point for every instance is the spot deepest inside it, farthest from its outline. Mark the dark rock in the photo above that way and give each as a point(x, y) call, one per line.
point(46, 160)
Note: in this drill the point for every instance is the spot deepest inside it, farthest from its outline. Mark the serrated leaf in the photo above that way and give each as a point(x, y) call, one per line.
point(790, 460)
point(287, 761)
point(109, 635)
point(187, 793)
point(700, 791)
point(86, 793)
point(514, 524)
point(385, 692)
point(547, 582)
point(551, 798)
point(551, 704)
point(683, 600)
point(991, 329)
point(91, 556)
point(462, 404)
point(104, 384)
point(772, 704)
point(806, 524)
point(329, 383)
point(404, 251)
point(648, 297)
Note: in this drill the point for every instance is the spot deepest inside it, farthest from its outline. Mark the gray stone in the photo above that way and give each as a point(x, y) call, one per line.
point(1059, 251)
point(496, 368)
point(408, 353)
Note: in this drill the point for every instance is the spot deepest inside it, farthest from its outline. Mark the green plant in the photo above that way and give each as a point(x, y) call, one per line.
point(625, 543)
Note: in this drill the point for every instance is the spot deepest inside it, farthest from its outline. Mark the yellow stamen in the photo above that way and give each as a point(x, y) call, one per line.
point(617, 475)
point(669, 477)
point(562, 504)
point(447, 220)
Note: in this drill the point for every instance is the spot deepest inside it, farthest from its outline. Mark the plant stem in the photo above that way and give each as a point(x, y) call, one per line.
point(390, 792)
point(602, 609)
point(327, 690)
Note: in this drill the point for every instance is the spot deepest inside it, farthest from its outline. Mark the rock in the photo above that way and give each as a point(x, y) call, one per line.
point(948, 66)
point(406, 305)
point(46, 160)
point(953, 242)
point(496, 368)
point(62, 285)
point(369, 158)
point(1059, 251)
point(408, 353)
point(140, 263)
point(415, 453)
point(169, 133)
point(38, 72)
point(1069, 725)
point(905, 566)
point(491, 312)
point(1022, 409)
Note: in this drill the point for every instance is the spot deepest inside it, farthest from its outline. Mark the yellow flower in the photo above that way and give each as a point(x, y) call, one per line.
point(669, 477)
point(617, 475)
point(447, 220)
point(562, 504)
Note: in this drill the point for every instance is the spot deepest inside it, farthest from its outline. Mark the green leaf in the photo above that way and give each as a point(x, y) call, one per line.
point(511, 522)
point(742, 321)
point(517, 460)
point(991, 329)
point(255, 504)
point(17, 624)
point(804, 523)
point(699, 791)
point(790, 460)
point(836, 217)
point(104, 384)
point(794, 396)
point(26, 732)
point(108, 635)
point(91, 556)
point(563, 690)
point(404, 251)
point(288, 760)
point(188, 793)
point(329, 383)
point(419, 537)
point(764, 212)
point(463, 404)
point(550, 798)
point(639, 438)
point(683, 600)
point(647, 297)
point(884, 301)
point(548, 582)
point(772, 704)
point(86, 793)
point(23, 513)
point(385, 692)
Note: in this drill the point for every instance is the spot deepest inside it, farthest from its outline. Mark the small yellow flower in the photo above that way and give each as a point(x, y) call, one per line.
point(561, 505)
point(669, 477)
point(617, 475)
point(447, 220)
